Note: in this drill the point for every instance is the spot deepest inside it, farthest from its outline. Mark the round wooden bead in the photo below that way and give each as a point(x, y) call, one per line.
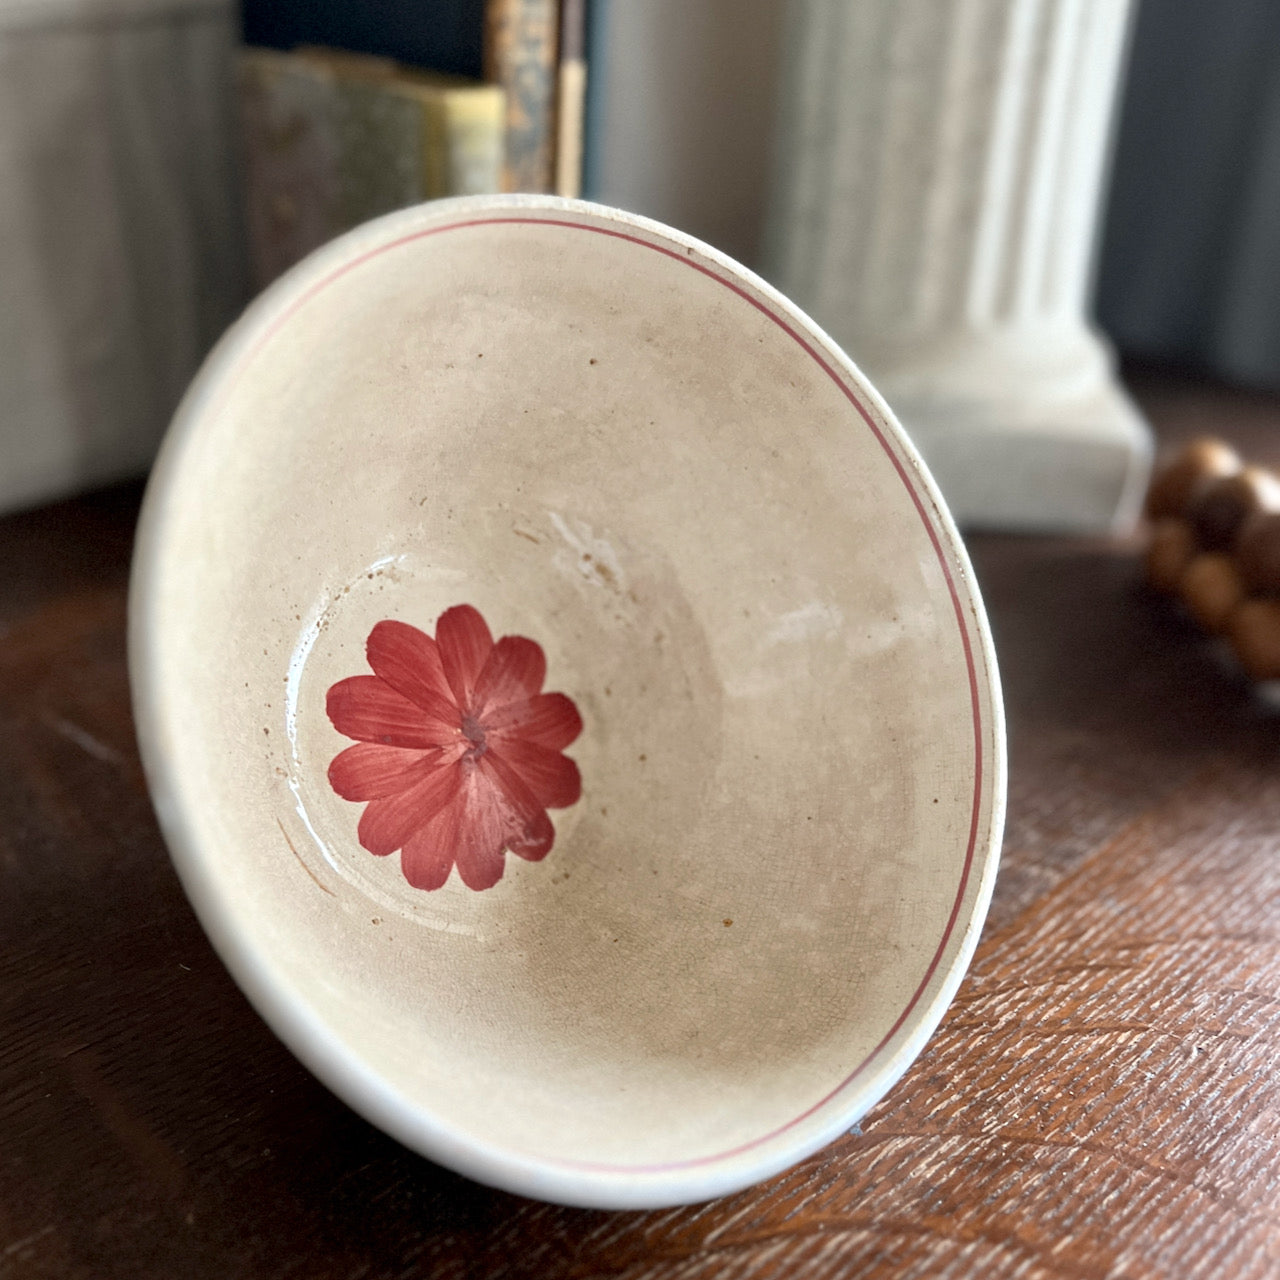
point(1211, 588)
point(1258, 553)
point(1169, 552)
point(1254, 629)
point(1176, 484)
point(1224, 504)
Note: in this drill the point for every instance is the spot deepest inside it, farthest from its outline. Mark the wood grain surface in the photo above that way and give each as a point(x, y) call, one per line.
point(1103, 1099)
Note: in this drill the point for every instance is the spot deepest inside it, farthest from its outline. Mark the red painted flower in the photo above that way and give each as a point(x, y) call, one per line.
point(458, 752)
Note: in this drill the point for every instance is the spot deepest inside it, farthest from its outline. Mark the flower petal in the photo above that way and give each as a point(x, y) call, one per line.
point(514, 672)
point(549, 719)
point(475, 826)
point(373, 770)
point(535, 841)
point(369, 709)
point(552, 777)
point(427, 857)
point(387, 824)
point(465, 644)
point(529, 830)
point(409, 661)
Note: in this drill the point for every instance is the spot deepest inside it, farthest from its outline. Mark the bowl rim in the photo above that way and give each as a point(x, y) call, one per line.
point(339, 1065)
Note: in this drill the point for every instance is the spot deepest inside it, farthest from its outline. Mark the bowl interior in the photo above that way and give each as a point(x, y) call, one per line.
point(606, 439)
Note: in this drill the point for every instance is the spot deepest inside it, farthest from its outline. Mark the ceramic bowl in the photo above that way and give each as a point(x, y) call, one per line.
point(567, 701)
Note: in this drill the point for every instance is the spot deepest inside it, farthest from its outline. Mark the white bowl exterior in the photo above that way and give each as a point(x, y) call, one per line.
point(341, 1064)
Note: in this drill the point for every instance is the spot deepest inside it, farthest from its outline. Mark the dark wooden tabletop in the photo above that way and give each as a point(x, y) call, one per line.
point(1103, 1098)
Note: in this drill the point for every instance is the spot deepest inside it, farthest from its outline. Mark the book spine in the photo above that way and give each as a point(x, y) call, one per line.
point(290, 130)
point(465, 133)
point(520, 56)
point(383, 150)
point(571, 97)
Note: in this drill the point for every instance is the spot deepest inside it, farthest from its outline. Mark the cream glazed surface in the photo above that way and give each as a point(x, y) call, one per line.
point(566, 700)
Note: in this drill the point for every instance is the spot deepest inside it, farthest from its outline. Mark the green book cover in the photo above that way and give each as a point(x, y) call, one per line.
point(333, 139)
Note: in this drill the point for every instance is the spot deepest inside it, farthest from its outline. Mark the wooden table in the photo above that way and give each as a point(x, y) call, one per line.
point(1103, 1099)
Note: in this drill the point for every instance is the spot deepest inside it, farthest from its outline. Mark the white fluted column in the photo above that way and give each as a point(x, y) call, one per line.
point(935, 208)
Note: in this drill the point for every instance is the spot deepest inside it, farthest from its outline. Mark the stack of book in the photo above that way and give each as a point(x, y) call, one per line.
point(333, 138)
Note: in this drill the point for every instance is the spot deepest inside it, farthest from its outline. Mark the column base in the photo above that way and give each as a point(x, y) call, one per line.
point(1073, 468)
point(1031, 463)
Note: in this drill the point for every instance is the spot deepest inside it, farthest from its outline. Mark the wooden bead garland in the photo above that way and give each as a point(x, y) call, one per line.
point(1215, 543)
point(1170, 550)
point(1258, 554)
point(1175, 487)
